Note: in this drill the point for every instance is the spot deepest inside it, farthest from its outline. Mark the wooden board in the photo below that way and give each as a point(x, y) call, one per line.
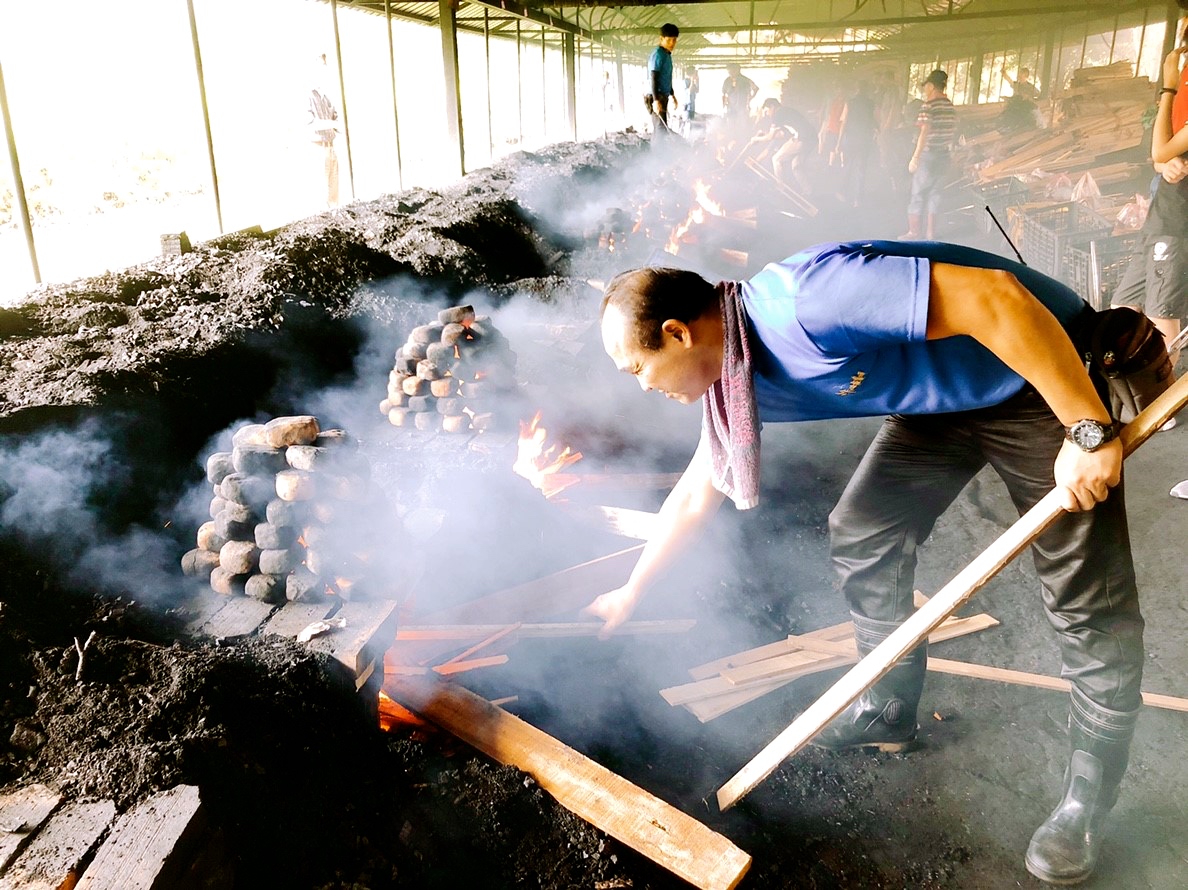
point(240, 616)
point(541, 630)
point(198, 609)
point(292, 618)
point(149, 844)
point(563, 592)
point(370, 630)
point(623, 810)
point(22, 813)
point(51, 860)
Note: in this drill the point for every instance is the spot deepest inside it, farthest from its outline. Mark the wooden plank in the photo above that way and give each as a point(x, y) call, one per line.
point(292, 618)
point(22, 812)
point(1023, 678)
point(457, 667)
point(198, 609)
point(370, 630)
point(770, 650)
point(51, 860)
point(561, 592)
point(943, 604)
point(776, 668)
point(715, 696)
point(483, 644)
point(149, 844)
point(638, 524)
point(623, 810)
point(240, 616)
point(541, 630)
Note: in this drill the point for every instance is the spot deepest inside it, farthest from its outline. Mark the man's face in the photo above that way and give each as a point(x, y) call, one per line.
point(669, 43)
point(683, 368)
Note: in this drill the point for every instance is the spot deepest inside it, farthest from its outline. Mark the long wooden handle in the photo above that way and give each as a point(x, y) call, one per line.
point(951, 597)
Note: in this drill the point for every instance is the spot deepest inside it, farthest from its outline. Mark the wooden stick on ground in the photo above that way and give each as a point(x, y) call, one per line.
point(623, 810)
point(946, 601)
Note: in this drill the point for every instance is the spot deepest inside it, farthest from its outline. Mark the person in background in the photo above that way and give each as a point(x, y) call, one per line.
point(737, 92)
point(856, 140)
point(970, 358)
point(1022, 88)
point(1156, 279)
point(692, 88)
point(323, 125)
point(660, 76)
point(930, 161)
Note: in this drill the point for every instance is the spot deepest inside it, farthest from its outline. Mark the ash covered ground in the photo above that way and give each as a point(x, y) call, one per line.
point(113, 389)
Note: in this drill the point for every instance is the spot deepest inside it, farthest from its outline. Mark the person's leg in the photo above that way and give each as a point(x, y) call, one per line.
point(1167, 286)
point(1090, 596)
point(910, 474)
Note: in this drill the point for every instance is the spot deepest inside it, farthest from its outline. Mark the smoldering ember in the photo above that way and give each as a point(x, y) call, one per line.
point(429, 708)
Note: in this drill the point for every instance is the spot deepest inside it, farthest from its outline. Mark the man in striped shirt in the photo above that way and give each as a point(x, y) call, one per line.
point(929, 165)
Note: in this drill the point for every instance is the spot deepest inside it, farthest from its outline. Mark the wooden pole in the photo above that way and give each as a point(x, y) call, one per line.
point(917, 628)
point(623, 810)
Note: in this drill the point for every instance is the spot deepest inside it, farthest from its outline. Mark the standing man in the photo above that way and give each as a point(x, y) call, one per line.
point(737, 92)
point(929, 165)
point(1156, 281)
point(323, 124)
point(1022, 88)
point(970, 355)
point(660, 72)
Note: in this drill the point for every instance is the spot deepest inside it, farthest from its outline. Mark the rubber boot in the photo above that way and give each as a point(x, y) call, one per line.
point(884, 717)
point(1064, 849)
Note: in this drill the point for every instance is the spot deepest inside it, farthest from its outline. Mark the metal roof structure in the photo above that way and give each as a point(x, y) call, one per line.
point(782, 32)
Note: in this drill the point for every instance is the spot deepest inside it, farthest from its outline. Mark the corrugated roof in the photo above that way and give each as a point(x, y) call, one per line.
point(777, 32)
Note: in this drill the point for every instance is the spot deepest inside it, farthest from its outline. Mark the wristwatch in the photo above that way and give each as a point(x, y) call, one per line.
point(1089, 435)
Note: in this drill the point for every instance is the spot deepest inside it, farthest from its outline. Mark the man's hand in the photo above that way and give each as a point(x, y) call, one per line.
point(659, 106)
point(1174, 170)
point(913, 165)
point(1085, 478)
point(614, 608)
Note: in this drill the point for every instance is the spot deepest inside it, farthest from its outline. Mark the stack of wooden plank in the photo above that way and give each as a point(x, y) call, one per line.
point(1100, 113)
point(164, 842)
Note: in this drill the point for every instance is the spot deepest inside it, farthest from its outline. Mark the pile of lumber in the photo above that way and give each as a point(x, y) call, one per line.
point(1100, 113)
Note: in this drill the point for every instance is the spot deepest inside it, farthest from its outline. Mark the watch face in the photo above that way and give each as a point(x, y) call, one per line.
point(1088, 435)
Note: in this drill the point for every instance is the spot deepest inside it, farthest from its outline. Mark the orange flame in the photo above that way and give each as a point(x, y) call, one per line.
point(393, 715)
point(540, 464)
point(701, 189)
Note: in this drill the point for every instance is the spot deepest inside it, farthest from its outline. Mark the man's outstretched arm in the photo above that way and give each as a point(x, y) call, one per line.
point(688, 508)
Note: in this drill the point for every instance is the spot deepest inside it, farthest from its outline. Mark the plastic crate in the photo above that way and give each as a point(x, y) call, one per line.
point(1043, 232)
point(1104, 256)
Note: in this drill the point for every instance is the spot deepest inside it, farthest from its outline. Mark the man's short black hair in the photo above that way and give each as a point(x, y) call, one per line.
point(651, 296)
point(668, 29)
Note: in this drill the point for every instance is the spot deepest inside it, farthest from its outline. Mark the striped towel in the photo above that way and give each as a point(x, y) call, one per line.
point(731, 420)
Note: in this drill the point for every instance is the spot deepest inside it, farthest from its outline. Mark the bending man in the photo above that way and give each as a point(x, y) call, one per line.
point(970, 356)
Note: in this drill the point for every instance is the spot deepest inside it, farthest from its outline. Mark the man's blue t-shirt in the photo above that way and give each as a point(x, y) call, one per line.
point(839, 331)
point(660, 66)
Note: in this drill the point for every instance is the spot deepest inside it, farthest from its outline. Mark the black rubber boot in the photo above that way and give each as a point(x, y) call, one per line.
point(884, 717)
point(1064, 849)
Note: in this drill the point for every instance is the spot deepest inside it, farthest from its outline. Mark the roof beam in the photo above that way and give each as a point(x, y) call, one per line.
point(541, 18)
point(1087, 10)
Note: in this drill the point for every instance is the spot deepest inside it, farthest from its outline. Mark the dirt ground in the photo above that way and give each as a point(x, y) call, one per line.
point(113, 388)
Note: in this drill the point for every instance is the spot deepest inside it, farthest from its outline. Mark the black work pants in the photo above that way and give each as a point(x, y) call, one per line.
point(916, 467)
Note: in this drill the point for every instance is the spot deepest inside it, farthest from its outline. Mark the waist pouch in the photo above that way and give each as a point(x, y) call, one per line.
point(1125, 350)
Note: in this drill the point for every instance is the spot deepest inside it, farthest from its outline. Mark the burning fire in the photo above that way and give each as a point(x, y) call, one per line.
point(541, 464)
point(703, 206)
